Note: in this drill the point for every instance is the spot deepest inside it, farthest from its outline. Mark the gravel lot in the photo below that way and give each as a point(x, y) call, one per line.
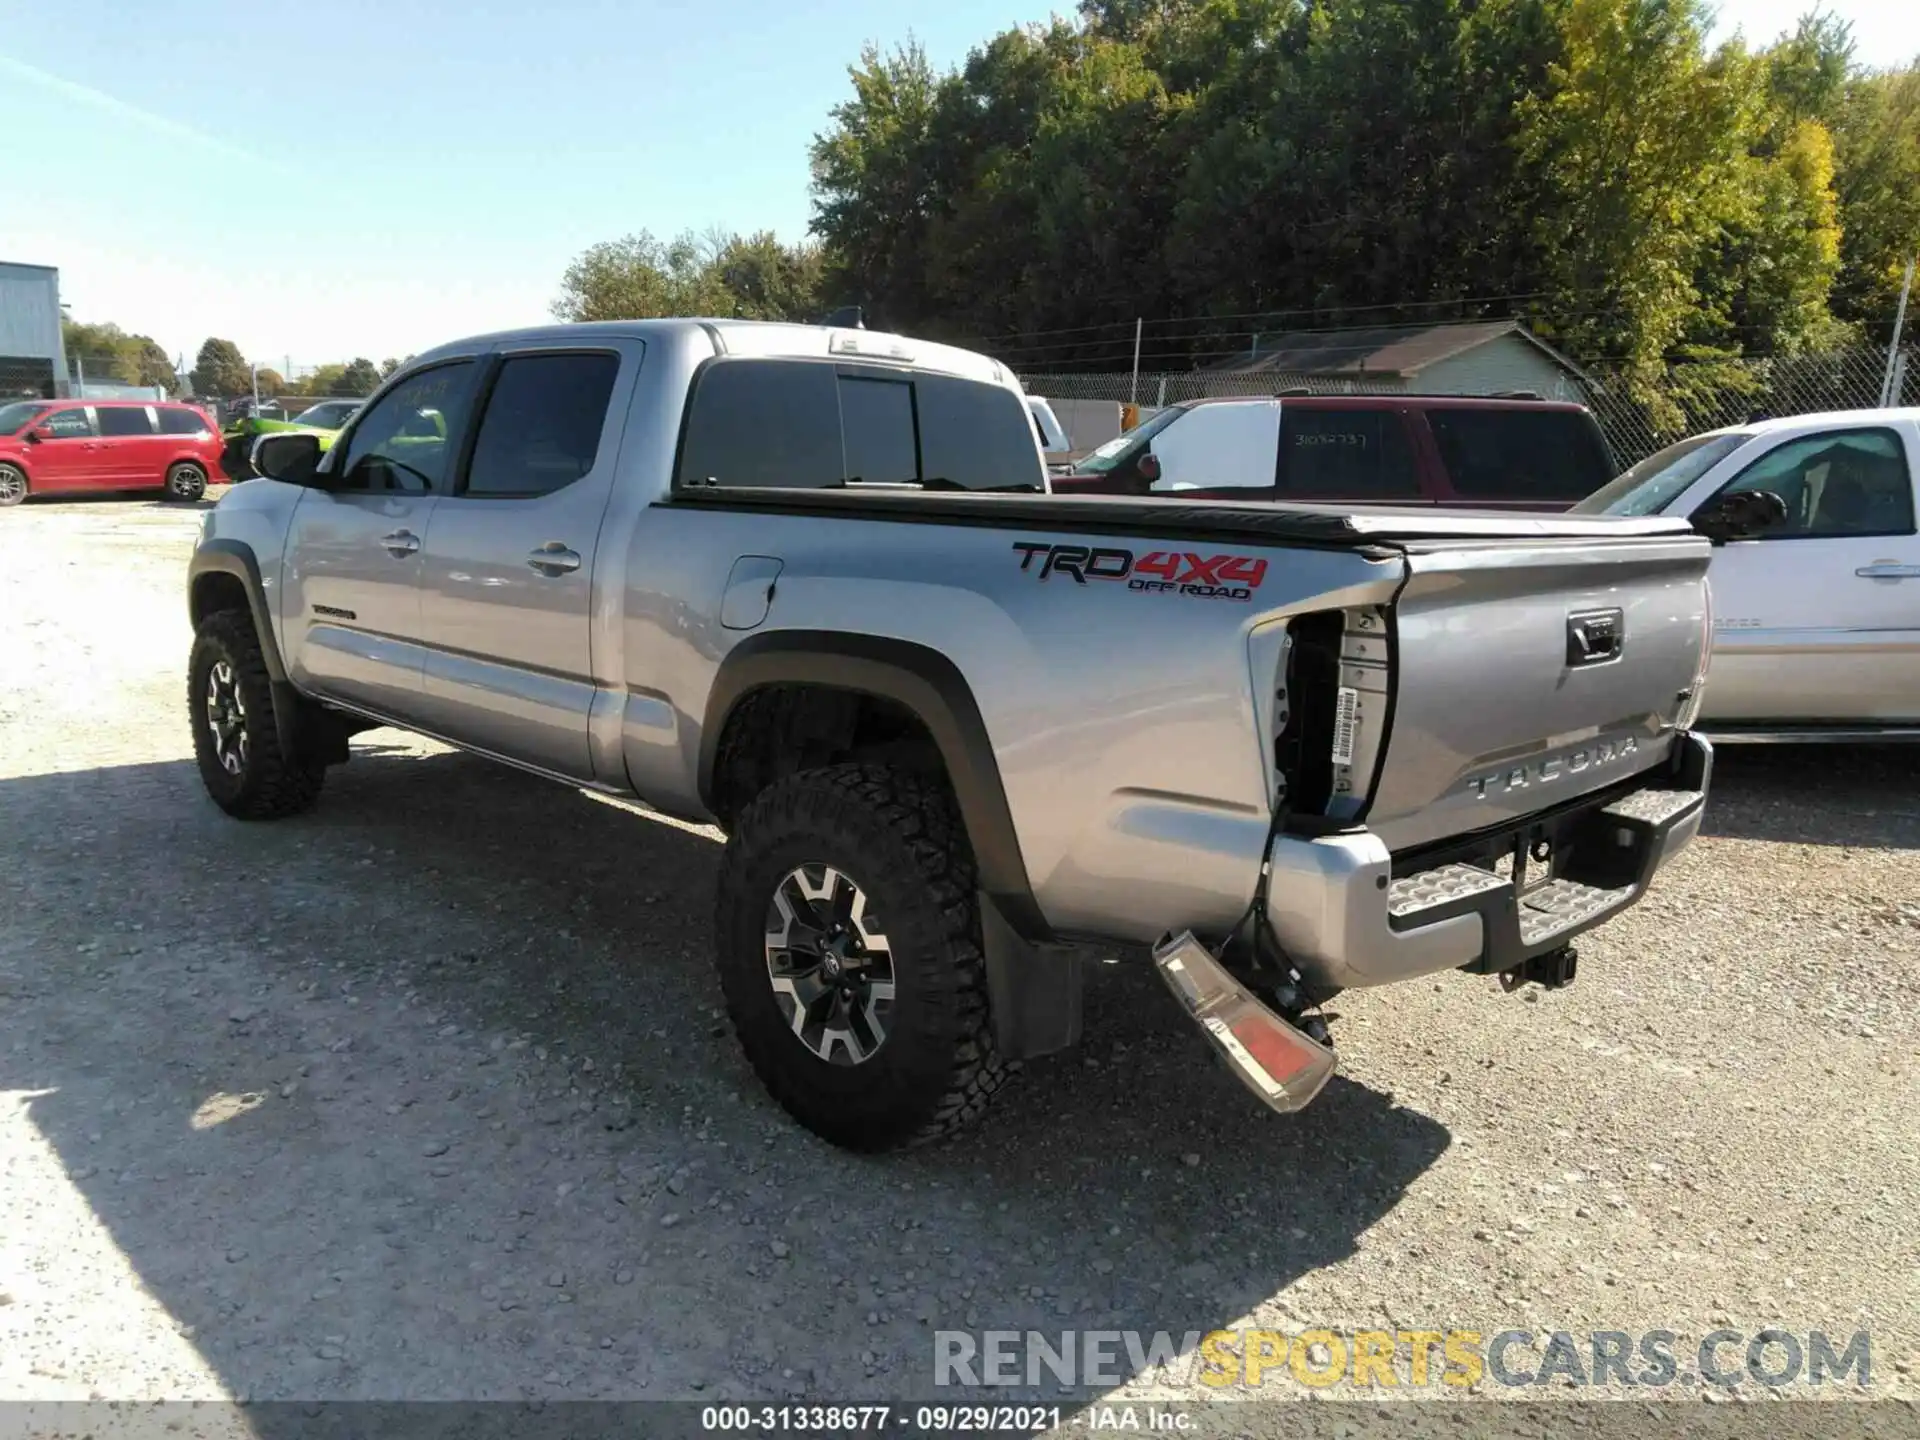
point(427, 1094)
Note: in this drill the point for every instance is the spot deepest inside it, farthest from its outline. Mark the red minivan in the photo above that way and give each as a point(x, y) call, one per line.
point(56, 447)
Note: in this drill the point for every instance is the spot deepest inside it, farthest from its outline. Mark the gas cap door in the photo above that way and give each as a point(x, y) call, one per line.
point(749, 592)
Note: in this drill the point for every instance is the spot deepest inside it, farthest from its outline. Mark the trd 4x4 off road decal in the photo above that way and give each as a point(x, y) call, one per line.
point(1175, 572)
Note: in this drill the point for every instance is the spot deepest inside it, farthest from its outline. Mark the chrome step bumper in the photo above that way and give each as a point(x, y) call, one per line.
point(1349, 914)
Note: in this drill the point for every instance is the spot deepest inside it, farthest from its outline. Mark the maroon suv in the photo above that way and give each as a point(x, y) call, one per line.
point(1492, 453)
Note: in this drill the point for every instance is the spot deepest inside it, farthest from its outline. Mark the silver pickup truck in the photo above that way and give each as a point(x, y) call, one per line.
point(962, 734)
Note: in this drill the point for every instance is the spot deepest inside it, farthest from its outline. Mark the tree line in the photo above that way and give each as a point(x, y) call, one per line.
point(109, 354)
point(1592, 167)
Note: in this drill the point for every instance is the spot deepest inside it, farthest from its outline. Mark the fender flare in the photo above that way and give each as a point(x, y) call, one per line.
point(234, 558)
point(928, 685)
point(1034, 983)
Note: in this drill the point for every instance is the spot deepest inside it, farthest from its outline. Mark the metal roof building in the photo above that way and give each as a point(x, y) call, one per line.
point(33, 363)
point(1451, 359)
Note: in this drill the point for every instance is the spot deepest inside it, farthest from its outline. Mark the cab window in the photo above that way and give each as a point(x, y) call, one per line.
point(1347, 454)
point(69, 424)
point(116, 420)
point(1227, 446)
point(1836, 483)
point(541, 429)
point(407, 440)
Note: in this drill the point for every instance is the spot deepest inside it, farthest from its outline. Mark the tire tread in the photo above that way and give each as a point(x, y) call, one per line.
point(917, 813)
point(281, 784)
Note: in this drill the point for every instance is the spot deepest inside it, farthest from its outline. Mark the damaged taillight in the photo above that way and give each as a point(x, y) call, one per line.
point(1283, 1066)
point(1331, 715)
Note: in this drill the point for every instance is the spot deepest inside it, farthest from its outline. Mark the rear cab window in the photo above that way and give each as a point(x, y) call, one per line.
point(1517, 454)
point(813, 424)
point(1349, 453)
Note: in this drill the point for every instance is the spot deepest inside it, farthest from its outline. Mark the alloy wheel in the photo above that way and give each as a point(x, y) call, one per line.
point(227, 718)
point(830, 965)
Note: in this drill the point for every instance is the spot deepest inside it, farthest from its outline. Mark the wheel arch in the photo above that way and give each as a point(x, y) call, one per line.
point(929, 688)
point(225, 575)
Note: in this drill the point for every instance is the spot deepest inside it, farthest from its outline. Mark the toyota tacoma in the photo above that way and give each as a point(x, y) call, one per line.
point(807, 584)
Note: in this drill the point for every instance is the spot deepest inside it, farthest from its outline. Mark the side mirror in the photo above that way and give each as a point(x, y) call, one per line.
point(1148, 466)
point(289, 455)
point(1741, 515)
point(38, 434)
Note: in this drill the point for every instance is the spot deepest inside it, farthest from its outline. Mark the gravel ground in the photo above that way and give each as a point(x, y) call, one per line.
point(427, 1094)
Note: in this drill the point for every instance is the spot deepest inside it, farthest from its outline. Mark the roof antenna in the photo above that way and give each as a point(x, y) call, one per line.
point(847, 317)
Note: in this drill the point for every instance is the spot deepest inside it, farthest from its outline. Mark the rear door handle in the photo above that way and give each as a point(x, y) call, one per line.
point(1888, 570)
point(400, 543)
point(554, 559)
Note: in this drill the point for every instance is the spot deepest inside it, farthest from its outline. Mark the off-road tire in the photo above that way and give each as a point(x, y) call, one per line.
point(186, 482)
point(897, 836)
point(13, 485)
point(271, 784)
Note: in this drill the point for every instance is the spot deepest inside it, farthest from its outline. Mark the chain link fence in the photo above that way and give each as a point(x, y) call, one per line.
point(1637, 416)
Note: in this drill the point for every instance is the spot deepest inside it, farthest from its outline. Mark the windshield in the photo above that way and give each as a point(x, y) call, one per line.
point(14, 418)
point(329, 415)
point(1660, 479)
point(1122, 448)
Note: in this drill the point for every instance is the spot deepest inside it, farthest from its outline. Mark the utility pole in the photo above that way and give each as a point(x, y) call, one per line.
point(1888, 391)
point(254, 371)
point(1133, 391)
point(80, 374)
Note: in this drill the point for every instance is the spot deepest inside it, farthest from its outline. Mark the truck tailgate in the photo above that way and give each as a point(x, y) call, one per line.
point(1528, 672)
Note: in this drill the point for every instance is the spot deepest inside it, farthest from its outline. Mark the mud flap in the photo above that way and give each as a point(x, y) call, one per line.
point(1034, 989)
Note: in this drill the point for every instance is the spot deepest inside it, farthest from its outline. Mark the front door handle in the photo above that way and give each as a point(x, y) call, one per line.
point(1888, 570)
point(400, 543)
point(553, 558)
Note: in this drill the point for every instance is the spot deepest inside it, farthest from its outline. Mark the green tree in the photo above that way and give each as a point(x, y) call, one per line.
point(151, 365)
point(640, 277)
point(220, 370)
point(106, 353)
point(1877, 141)
point(1588, 165)
point(1635, 150)
point(1807, 71)
point(320, 381)
point(360, 377)
point(766, 280)
point(388, 366)
point(874, 186)
point(271, 382)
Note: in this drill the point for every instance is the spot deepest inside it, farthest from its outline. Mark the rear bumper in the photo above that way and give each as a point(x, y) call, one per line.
point(1350, 914)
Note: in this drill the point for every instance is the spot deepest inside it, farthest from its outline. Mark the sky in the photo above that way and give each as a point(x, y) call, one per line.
point(373, 177)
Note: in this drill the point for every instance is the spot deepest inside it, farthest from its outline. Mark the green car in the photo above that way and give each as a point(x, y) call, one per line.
point(326, 418)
